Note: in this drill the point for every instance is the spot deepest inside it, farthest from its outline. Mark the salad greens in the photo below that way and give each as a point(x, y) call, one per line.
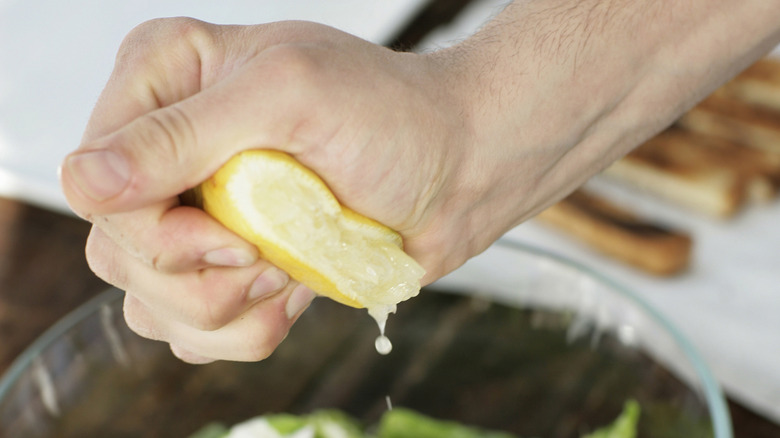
point(623, 427)
point(395, 423)
point(404, 423)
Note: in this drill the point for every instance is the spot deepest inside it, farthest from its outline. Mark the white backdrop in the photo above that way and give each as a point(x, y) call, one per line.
point(56, 55)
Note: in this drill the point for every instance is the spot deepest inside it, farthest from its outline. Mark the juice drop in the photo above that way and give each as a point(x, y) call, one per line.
point(382, 343)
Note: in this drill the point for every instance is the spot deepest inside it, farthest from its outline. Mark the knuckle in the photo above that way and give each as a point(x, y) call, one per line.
point(208, 317)
point(264, 337)
point(259, 346)
point(100, 253)
point(158, 34)
point(178, 43)
point(171, 131)
point(138, 320)
point(208, 322)
point(162, 254)
point(165, 263)
point(303, 80)
point(138, 45)
point(218, 302)
point(95, 253)
point(296, 65)
point(185, 29)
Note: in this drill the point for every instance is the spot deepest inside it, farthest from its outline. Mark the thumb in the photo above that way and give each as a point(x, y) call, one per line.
point(169, 150)
point(160, 154)
point(153, 158)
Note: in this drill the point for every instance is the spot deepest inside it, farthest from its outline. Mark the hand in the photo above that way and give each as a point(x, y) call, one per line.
point(185, 96)
point(451, 148)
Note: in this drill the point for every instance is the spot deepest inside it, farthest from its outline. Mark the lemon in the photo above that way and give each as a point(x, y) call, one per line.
point(271, 200)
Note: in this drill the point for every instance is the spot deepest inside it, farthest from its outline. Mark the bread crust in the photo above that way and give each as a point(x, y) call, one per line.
point(733, 120)
point(616, 232)
point(700, 172)
point(758, 85)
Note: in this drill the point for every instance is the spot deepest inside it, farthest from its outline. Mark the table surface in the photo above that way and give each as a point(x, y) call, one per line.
point(34, 241)
point(43, 274)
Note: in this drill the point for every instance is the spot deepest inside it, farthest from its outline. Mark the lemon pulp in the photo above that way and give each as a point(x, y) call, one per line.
point(288, 212)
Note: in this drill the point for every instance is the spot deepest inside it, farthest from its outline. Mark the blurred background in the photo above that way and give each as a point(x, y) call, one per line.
point(688, 221)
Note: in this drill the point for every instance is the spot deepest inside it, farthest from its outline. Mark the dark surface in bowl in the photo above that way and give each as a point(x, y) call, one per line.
point(454, 357)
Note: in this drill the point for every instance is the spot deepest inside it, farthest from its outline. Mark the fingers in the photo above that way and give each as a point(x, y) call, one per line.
point(154, 158)
point(215, 312)
point(171, 240)
point(212, 313)
point(151, 138)
point(279, 97)
point(158, 63)
point(205, 298)
point(252, 336)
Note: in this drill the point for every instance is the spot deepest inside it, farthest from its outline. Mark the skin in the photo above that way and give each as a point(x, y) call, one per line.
point(451, 148)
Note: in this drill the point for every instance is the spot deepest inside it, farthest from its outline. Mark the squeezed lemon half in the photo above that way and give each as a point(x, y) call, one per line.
point(271, 200)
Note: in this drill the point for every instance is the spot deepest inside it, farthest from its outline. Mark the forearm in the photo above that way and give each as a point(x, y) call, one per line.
point(559, 89)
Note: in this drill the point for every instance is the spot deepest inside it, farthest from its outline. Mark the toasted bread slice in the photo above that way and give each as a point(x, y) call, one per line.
point(667, 165)
point(759, 170)
point(699, 171)
point(759, 85)
point(737, 121)
point(616, 232)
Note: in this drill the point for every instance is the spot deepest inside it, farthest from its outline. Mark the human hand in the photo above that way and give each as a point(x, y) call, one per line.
point(185, 96)
point(451, 149)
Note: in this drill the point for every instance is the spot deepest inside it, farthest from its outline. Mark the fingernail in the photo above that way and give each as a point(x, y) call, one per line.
point(270, 281)
point(235, 257)
point(300, 298)
point(100, 174)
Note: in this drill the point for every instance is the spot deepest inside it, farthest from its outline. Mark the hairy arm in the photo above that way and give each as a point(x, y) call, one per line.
point(559, 89)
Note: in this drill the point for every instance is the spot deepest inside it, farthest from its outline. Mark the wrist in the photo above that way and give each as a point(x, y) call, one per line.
point(523, 114)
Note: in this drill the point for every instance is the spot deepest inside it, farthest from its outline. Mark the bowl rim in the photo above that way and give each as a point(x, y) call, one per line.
point(50, 336)
point(713, 393)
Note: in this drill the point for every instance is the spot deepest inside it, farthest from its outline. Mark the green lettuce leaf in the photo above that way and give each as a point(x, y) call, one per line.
point(405, 423)
point(624, 426)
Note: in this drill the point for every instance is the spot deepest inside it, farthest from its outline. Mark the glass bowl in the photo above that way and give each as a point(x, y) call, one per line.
point(518, 340)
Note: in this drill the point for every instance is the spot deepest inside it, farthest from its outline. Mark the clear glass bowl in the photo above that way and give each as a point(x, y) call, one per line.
point(518, 340)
